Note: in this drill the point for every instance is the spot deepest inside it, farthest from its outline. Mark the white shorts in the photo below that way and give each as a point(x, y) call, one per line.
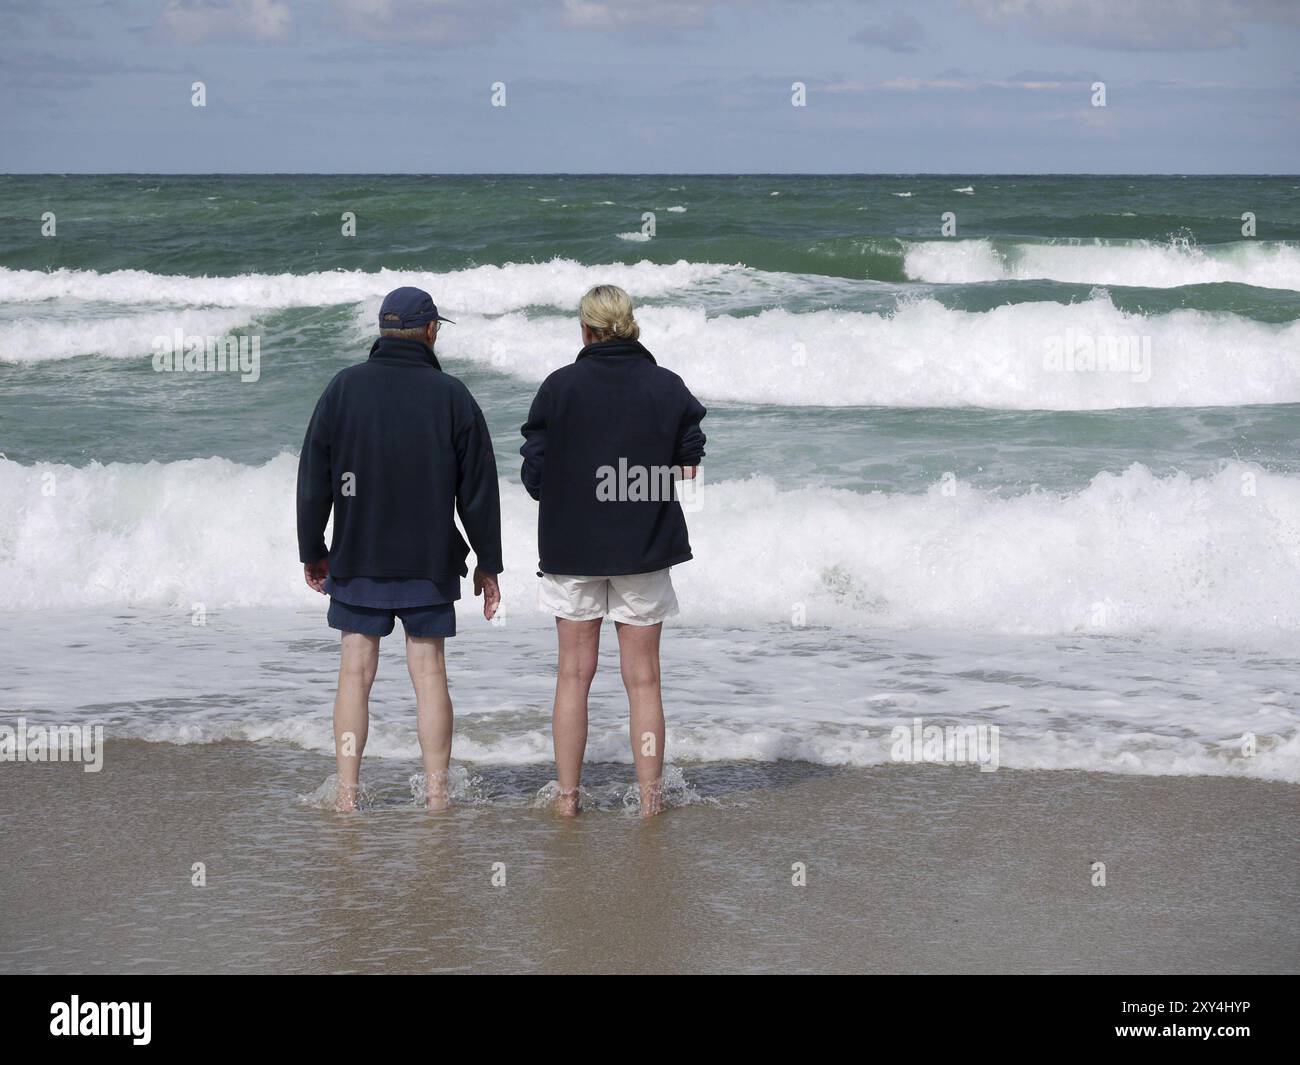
point(633, 598)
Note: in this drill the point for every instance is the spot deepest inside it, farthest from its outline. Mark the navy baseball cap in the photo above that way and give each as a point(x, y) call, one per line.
point(407, 308)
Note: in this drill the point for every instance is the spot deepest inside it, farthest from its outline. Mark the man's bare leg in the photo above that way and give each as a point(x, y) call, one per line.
point(579, 650)
point(638, 648)
point(358, 662)
point(428, 669)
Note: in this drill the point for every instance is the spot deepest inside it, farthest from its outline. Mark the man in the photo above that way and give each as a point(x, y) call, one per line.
point(393, 448)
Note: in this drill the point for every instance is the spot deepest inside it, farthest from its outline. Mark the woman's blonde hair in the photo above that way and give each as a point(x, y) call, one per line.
point(607, 311)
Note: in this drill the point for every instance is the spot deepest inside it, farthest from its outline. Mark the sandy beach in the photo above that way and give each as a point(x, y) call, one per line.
point(909, 869)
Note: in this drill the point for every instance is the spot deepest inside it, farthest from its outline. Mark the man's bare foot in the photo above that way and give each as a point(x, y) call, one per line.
point(652, 799)
point(566, 803)
point(436, 796)
point(345, 797)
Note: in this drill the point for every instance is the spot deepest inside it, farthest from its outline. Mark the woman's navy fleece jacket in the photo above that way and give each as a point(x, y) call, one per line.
point(614, 403)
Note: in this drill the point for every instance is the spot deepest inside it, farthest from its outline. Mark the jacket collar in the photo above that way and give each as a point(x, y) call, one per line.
point(615, 347)
point(400, 350)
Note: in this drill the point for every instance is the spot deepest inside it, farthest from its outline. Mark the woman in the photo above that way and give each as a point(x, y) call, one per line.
point(604, 441)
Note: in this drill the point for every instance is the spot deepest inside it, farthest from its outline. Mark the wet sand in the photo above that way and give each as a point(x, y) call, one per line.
point(909, 869)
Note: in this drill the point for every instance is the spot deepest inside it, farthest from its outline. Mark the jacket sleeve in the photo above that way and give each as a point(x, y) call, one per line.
point(478, 497)
point(315, 485)
point(534, 449)
point(690, 437)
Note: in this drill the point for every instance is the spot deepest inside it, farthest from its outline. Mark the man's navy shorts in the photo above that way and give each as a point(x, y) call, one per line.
point(437, 620)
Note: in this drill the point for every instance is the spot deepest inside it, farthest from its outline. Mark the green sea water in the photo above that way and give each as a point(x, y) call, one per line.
point(809, 248)
point(1040, 472)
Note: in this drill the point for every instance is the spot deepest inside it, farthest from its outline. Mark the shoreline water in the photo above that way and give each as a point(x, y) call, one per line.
point(909, 869)
point(821, 694)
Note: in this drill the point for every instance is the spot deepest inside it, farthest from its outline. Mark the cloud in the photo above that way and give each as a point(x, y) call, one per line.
point(423, 21)
point(1136, 25)
point(461, 21)
point(44, 70)
point(899, 33)
point(959, 81)
point(605, 15)
point(197, 21)
point(31, 19)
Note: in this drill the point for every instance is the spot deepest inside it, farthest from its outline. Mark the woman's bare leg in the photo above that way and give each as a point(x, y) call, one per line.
point(579, 650)
point(638, 648)
point(428, 669)
point(358, 663)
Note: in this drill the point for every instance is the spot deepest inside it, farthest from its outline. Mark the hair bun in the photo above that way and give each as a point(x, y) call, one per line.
point(607, 311)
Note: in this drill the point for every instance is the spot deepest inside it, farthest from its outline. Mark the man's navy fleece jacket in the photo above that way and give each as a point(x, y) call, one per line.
point(396, 447)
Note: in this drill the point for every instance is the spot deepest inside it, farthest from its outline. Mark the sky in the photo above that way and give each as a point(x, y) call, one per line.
point(650, 86)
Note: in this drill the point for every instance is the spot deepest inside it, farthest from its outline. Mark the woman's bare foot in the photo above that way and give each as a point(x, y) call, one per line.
point(566, 803)
point(652, 799)
point(436, 794)
point(345, 797)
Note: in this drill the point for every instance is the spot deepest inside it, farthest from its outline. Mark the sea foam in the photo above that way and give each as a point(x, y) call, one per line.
point(115, 337)
point(1143, 263)
point(927, 355)
point(482, 289)
point(1132, 552)
point(518, 319)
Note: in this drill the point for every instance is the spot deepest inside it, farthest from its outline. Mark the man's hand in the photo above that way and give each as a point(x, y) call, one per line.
point(686, 473)
point(315, 574)
point(485, 584)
